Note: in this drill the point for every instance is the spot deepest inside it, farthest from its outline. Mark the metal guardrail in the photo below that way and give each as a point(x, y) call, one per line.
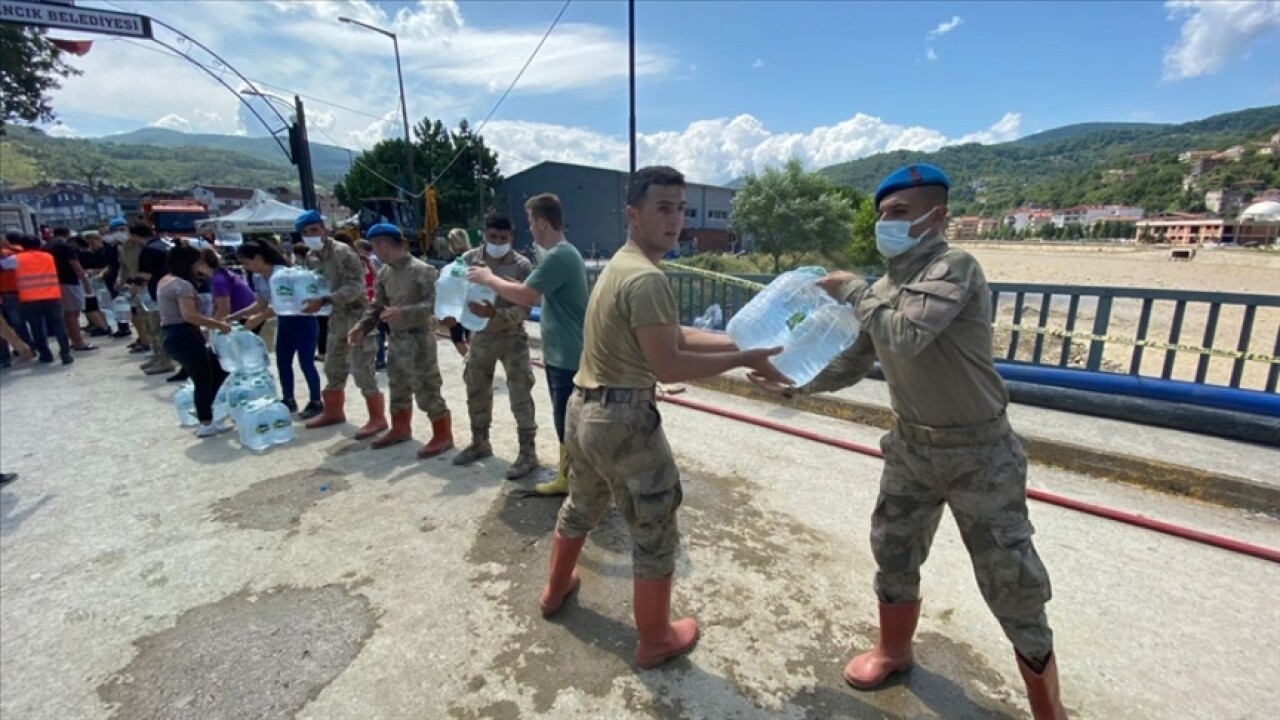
point(1134, 331)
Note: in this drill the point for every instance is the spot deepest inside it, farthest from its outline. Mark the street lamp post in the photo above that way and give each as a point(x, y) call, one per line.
point(404, 109)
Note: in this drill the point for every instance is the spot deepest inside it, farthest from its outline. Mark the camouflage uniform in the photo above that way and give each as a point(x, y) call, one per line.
point(503, 340)
point(345, 273)
point(929, 320)
point(412, 369)
point(614, 432)
point(617, 449)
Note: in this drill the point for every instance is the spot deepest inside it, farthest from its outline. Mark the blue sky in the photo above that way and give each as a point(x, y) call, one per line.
point(725, 87)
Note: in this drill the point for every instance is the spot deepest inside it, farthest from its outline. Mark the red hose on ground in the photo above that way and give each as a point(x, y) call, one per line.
point(1141, 521)
point(1146, 523)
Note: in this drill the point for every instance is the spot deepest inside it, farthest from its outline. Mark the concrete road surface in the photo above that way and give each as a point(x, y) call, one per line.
point(147, 574)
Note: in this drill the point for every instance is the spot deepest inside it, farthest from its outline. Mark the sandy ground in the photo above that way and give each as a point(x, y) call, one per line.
point(146, 574)
point(1212, 271)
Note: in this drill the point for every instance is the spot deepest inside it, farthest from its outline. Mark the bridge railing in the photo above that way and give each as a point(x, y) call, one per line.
point(1209, 338)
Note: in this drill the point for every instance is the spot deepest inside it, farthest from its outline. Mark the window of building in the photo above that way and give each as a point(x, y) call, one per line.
point(718, 214)
point(691, 213)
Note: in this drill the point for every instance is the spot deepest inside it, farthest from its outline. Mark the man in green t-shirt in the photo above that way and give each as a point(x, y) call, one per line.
point(560, 281)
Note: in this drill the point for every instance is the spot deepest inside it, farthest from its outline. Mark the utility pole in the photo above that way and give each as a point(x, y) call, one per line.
point(631, 66)
point(301, 151)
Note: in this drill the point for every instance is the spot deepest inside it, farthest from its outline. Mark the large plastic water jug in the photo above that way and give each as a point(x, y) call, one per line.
point(711, 319)
point(221, 406)
point(244, 390)
point(250, 351)
point(224, 347)
point(255, 426)
point(816, 341)
point(184, 404)
point(477, 294)
point(451, 290)
point(284, 291)
point(767, 321)
point(122, 307)
point(107, 306)
point(314, 285)
point(281, 423)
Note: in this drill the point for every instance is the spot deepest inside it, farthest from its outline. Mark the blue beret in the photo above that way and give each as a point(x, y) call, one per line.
point(310, 217)
point(920, 175)
point(117, 222)
point(383, 229)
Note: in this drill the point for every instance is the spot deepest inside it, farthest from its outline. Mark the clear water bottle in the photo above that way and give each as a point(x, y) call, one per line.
point(477, 294)
point(318, 287)
point(250, 351)
point(224, 347)
point(281, 423)
point(816, 341)
point(711, 319)
point(768, 320)
point(122, 307)
point(284, 291)
point(451, 290)
point(184, 404)
point(221, 405)
point(106, 306)
point(255, 427)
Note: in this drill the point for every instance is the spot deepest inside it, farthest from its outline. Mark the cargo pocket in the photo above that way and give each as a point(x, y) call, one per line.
point(1020, 578)
point(655, 494)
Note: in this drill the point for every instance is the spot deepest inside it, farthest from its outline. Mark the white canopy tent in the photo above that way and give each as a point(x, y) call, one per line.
point(262, 214)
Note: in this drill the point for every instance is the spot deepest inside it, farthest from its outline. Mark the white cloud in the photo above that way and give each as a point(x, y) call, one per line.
point(173, 122)
point(451, 70)
point(725, 148)
point(1214, 33)
point(61, 130)
point(759, 63)
point(945, 27)
point(930, 55)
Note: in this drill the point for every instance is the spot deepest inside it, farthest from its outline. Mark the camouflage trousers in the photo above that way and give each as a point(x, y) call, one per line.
point(486, 352)
point(985, 486)
point(413, 372)
point(617, 449)
point(343, 360)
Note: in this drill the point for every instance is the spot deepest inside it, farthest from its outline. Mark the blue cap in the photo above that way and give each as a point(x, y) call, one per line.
point(384, 229)
point(310, 217)
point(117, 222)
point(911, 176)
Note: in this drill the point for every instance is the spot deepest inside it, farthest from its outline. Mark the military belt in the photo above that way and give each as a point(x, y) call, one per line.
point(605, 396)
point(984, 434)
point(408, 331)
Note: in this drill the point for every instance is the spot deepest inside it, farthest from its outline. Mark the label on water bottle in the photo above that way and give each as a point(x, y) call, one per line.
point(795, 320)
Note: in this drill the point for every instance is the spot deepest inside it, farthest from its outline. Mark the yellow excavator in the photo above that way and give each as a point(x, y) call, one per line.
point(397, 211)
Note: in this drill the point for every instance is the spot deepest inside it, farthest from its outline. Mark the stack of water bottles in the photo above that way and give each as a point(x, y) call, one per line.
point(794, 313)
point(454, 295)
point(292, 287)
point(247, 396)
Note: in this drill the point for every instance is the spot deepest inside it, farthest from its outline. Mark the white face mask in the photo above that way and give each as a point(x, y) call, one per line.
point(893, 237)
point(117, 237)
point(314, 242)
point(496, 251)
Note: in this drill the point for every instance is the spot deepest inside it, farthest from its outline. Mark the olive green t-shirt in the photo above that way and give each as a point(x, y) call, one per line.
point(631, 292)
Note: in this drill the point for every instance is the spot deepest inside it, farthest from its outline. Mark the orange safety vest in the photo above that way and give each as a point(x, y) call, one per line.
point(37, 277)
point(8, 278)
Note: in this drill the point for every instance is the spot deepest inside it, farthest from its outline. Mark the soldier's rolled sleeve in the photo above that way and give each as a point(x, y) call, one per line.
point(849, 368)
point(351, 276)
point(925, 309)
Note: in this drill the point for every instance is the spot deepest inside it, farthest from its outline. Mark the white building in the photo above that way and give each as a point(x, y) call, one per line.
point(1086, 215)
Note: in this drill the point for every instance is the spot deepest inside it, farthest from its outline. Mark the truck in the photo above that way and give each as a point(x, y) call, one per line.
point(398, 212)
point(19, 218)
point(174, 218)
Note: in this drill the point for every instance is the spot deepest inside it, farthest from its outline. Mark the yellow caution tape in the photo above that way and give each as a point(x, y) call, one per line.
point(1049, 331)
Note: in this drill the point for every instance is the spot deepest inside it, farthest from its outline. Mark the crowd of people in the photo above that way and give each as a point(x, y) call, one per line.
point(926, 321)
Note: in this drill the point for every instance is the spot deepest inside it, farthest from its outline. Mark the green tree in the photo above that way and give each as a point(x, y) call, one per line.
point(30, 68)
point(463, 168)
point(792, 211)
point(862, 251)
